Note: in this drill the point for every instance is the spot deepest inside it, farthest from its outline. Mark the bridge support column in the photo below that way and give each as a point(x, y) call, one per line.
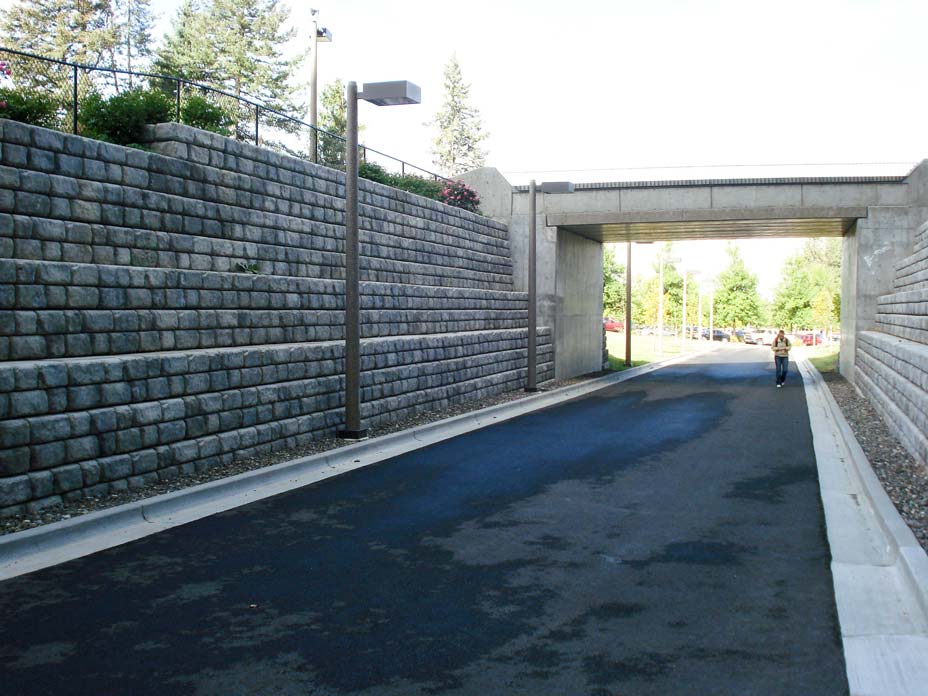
point(569, 274)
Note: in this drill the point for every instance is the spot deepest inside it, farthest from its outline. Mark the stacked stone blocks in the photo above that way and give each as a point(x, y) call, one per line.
point(162, 313)
point(893, 359)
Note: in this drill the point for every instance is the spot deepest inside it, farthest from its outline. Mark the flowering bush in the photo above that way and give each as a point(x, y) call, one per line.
point(460, 195)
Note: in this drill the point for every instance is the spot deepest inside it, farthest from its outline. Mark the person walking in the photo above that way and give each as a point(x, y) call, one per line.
point(780, 348)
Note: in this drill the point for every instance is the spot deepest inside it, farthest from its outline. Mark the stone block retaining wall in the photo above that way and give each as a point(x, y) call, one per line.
point(892, 361)
point(136, 343)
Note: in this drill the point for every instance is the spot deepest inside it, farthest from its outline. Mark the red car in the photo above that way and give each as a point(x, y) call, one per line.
point(610, 324)
point(811, 338)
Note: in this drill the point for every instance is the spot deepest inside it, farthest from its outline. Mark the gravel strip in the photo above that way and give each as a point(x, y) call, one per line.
point(17, 523)
point(902, 477)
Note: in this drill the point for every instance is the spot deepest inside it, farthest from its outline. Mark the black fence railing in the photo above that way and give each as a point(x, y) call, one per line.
point(67, 85)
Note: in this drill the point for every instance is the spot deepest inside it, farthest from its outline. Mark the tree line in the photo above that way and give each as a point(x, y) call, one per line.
point(238, 46)
point(808, 295)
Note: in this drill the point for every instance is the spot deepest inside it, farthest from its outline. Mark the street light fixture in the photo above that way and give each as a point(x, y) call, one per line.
point(320, 35)
point(531, 380)
point(381, 94)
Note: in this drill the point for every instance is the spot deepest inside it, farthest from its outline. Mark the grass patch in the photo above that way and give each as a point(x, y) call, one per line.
point(644, 349)
point(824, 358)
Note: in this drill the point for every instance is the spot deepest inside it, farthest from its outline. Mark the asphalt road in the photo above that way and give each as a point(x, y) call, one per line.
point(662, 536)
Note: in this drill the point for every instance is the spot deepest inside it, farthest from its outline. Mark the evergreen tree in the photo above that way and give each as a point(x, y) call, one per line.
point(133, 22)
point(236, 45)
point(80, 31)
point(457, 148)
point(189, 49)
point(737, 302)
point(333, 118)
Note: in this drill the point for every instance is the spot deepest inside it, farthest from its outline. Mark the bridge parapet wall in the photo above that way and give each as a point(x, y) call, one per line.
point(164, 312)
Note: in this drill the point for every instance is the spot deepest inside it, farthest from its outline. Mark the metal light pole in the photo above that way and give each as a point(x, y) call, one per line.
point(711, 312)
point(628, 305)
point(699, 316)
point(531, 382)
point(381, 94)
point(320, 35)
point(660, 307)
point(684, 305)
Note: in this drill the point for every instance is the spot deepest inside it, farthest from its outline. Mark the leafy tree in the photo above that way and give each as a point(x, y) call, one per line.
point(457, 148)
point(737, 302)
point(810, 285)
point(613, 284)
point(71, 30)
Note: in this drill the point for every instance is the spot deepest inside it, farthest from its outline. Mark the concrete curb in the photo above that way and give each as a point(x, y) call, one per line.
point(880, 570)
point(41, 547)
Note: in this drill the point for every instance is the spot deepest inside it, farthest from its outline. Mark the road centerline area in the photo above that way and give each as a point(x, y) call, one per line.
point(663, 535)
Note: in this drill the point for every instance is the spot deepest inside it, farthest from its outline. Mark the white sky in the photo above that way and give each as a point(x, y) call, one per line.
point(579, 90)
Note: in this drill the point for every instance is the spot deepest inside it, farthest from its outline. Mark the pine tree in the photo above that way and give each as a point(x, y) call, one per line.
point(133, 23)
point(460, 131)
point(81, 31)
point(235, 45)
point(333, 118)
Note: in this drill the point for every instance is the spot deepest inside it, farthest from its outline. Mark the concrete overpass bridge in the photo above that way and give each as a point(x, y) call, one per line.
point(883, 221)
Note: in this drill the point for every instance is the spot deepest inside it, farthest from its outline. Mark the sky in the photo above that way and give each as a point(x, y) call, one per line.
point(612, 90)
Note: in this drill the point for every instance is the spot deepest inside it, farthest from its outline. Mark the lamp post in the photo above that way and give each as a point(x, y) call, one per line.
point(381, 94)
point(320, 35)
point(531, 378)
point(628, 305)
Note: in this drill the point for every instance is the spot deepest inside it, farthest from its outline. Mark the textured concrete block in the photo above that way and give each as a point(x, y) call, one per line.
point(14, 489)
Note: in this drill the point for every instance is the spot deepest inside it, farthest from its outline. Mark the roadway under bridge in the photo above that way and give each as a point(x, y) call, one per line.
point(882, 220)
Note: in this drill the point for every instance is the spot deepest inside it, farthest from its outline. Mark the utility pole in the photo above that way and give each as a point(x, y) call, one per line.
point(628, 305)
point(660, 307)
point(699, 317)
point(684, 305)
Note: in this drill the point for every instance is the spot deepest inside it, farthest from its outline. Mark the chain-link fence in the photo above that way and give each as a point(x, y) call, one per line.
point(60, 95)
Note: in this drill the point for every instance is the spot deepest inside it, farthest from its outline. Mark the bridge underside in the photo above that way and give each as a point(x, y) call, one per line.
point(708, 224)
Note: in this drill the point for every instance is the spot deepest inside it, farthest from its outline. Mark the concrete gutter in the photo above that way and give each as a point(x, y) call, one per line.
point(880, 570)
point(41, 547)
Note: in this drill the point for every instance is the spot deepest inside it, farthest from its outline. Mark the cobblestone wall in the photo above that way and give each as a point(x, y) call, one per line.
point(892, 361)
point(163, 312)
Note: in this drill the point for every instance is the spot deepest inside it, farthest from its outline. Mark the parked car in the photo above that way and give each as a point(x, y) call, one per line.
point(811, 338)
point(764, 337)
point(610, 324)
point(717, 335)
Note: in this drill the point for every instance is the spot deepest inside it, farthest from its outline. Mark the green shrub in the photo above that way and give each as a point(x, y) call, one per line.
point(34, 108)
point(409, 182)
point(120, 118)
point(202, 114)
point(420, 186)
point(374, 172)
